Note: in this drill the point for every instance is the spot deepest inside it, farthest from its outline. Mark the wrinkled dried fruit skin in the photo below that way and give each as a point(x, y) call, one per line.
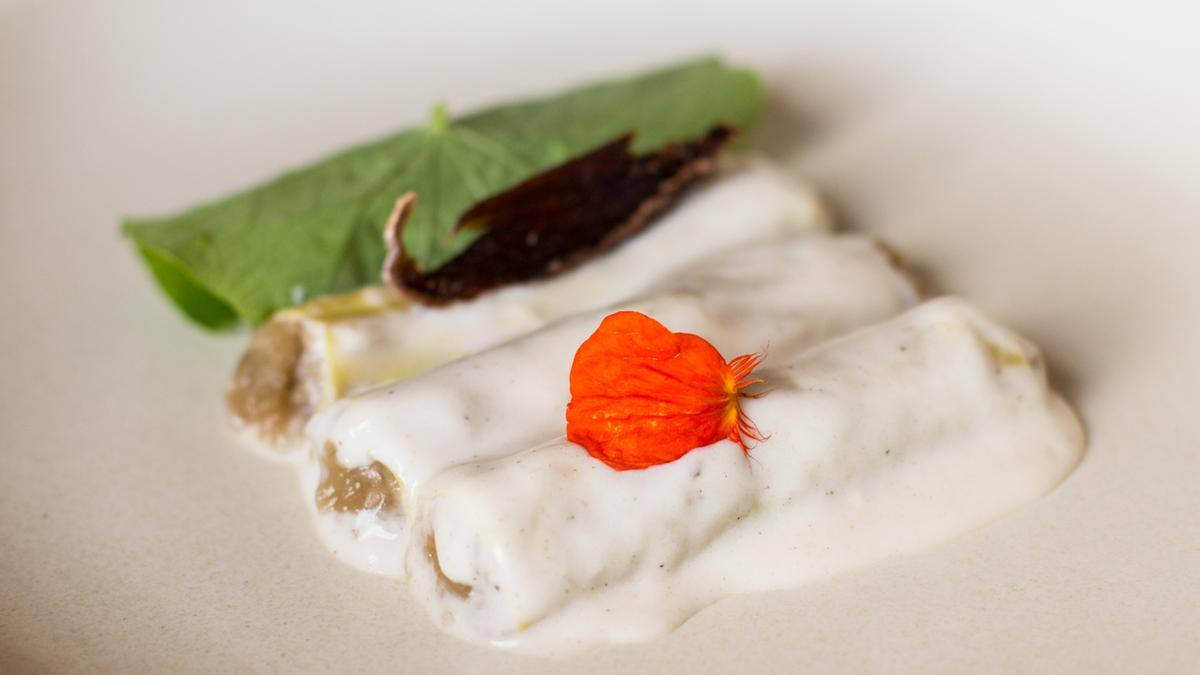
point(557, 219)
point(642, 395)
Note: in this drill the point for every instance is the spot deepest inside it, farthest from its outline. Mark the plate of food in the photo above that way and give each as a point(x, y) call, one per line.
point(779, 358)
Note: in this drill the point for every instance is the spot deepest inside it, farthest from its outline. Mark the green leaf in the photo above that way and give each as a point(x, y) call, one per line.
point(319, 229)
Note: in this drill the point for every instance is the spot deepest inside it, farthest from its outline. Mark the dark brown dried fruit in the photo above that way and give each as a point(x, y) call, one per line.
point(557, 219)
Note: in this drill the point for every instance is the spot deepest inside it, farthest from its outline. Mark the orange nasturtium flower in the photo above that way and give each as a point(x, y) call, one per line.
point(642, 395)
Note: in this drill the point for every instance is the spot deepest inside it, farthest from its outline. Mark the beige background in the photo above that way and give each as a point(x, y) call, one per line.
point(1038, 158)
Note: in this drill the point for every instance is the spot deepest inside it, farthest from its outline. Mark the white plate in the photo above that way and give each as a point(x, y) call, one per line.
point(1039, 160)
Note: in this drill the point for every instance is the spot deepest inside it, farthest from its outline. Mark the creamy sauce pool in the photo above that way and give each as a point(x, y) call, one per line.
point(892, 427)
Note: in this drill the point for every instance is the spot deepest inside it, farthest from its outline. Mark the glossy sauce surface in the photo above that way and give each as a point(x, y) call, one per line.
point(891, 427)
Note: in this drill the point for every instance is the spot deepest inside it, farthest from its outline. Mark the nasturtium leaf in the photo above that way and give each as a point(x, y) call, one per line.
point(319, 229)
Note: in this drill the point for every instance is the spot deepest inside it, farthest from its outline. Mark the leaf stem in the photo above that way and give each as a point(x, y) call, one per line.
point(439, 120)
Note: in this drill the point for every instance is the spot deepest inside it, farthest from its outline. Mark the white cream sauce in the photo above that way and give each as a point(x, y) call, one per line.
point(892, 438)
point(361, 340)
point(886, 434)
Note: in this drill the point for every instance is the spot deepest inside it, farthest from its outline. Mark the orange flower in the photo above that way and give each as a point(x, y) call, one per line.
point(642, 395)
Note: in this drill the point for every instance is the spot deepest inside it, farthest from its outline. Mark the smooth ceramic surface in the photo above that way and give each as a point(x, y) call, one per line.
point(1036, 158)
